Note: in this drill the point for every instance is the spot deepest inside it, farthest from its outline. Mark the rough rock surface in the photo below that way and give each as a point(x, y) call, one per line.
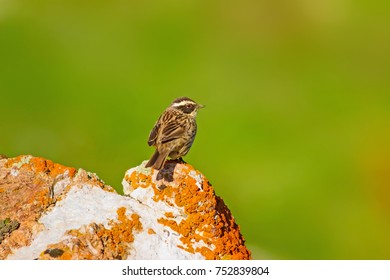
point(49, 211)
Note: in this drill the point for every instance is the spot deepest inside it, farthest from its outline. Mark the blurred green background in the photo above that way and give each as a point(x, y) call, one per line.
point(295, 136)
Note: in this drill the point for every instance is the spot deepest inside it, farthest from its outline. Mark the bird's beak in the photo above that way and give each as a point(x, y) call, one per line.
point(201, 106)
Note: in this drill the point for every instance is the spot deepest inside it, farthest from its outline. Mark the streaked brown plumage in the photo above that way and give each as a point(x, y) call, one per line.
point(174, 132)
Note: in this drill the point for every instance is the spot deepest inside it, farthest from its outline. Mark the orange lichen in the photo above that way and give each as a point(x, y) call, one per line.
point(188, 248)
point(120, 233)
point(50, 168)
point(38, 164)
point(12, 161)
point(169, 214)
point(57, 252)
point(151, 231)
point(138, 180)
point(208, 219)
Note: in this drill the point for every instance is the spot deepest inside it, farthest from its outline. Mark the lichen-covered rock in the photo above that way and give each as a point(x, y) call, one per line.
point(186, 206)
point(49, 211)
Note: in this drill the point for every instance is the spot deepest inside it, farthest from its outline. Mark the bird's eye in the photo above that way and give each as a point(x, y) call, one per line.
point(189, 105)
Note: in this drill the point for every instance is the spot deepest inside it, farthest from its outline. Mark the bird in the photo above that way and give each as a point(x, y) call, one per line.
point(174, 132)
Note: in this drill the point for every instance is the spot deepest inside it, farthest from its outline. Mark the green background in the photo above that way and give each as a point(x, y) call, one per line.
point(296, 131)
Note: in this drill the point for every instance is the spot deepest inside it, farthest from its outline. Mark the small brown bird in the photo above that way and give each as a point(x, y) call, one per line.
point(174, 131)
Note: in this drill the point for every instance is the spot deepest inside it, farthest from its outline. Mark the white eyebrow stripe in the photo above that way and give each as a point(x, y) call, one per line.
point(184, 102)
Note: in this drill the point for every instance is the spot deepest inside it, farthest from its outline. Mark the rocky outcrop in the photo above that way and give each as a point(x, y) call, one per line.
point(49, 211)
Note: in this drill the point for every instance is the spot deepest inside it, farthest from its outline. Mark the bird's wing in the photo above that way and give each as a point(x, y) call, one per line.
point(172, 130)
point(153, 134)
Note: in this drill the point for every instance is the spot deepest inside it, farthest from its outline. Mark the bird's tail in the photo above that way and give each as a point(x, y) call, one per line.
point(157, 160)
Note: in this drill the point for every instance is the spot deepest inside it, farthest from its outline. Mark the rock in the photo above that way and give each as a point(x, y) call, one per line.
point(49, 211)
